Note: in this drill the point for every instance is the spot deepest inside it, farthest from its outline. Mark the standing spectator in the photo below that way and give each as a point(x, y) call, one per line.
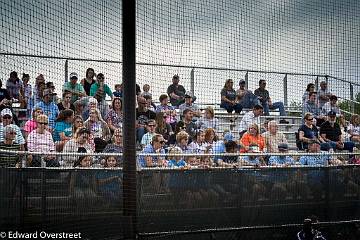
point(273, 137)
point(266, 102)
point(228, 98)
point(143, 115)
point(118, 90)
point(40, 140)
point(99, 129)
point(49, 108)
point(354, 128)
point(150, 128)
point(308, 133)
point(168, 111)
point(99, 91)
point(252, 136)
point(74, 87)
point(312, 107)
point(188, 104)
point(114, 117)
point(7, 119)
point(7, 143)
point(245, 97)
point(208, 120)
point(281, 160)
point(162, 127)
point(63, 128)
point(330, 131)
point(176, 92)
point(250, 118)
point(66, 102)
point(323, 94)
point(156, 146)
point(331, 105)
point(189, 125)
point(89, 80)
point(14, 86)
point(30, 124)
point(309, 89)
point(27, 91)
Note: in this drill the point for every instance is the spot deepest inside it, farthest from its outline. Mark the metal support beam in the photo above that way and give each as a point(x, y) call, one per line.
point(192, 81)
point(285, 84)
point(66, 70)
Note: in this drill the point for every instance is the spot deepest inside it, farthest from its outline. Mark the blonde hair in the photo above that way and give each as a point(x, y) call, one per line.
point(42, 118)
point(254, 125)
point(210, 110)
point(181, 135)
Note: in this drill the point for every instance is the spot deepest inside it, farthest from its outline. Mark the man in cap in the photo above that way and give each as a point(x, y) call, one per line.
point(7, 120)
point(48, 107)
point(281, 160)
point(330, 131)
point(189, 104)
point(176, 92)
point(74, 87)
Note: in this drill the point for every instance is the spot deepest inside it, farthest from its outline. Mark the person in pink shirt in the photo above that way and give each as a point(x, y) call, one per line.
point(30, 124)
point(40, 140)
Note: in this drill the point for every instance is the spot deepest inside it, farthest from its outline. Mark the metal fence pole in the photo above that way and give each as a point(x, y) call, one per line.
point(285, 84)
point(352, 107)
point(247, 80)
point(129, 142)
point(66, 70)
point(317, 83)
point(192, 81)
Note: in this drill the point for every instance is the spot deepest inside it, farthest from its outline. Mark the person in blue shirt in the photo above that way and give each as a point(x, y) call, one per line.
point(176, 161)
point(156, 146)
point(253, 160)
point(219, 146)
point(48, 107)
point(63, 128)
point(322, 160)
point(281, 160)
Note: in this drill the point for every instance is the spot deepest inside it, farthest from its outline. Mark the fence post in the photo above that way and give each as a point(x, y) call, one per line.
point(352, 107)
point(66, 70)
point(285, 90)
point(192, 81)
point(317, 83)
point(247, 80)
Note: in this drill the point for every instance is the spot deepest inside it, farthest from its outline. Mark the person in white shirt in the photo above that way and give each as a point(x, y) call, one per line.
point(250, 118)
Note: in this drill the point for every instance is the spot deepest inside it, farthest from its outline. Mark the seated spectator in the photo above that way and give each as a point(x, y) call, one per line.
point(143, 115)
point(250, 118)
point(118, 91)
point(311, 106)
point(99, 90)
point(66, 102)
point(149, 103)
point(273, 137)
point(176, 92)
point(180, 126)
point(63, 128)
point(189, 125)
point(5, 99)
point(76, 89)
point(219, 146)
point(198, 145)
point(51, 87)
point(146, 91)
point(266, 102)
point(89, 80)
point(30, 124)
point(322, 160)
point(14, 86)
point(26, 92)
point(230, 147)
point(174, 160)
point(116, 145)
point(84, 105)
point(40, 140)
point(310, 88)
point(156, 146)
point(99, 129)
point(308, 133)
point(281, 160)
point(8, 144)
point(253, 160)
point(210, 138)
point(114, 118)
point(354, 128)
point(49, 108)
point(323, 94)
point(162, 127)
point(208, 120)
point(38, 90)
point(182, 141)
point(188, 104)
point(7, 119)
point(356, 158)
point(331, 133)
point(81, 139)
point(228, 98)
point(331, 105)
point(83, 161)
point(150, 132)
point(252, 136)
point(168, 111)
point(245, 97)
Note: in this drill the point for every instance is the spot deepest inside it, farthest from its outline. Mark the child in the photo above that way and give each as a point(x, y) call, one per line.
point(118, 90)
point(146, 91)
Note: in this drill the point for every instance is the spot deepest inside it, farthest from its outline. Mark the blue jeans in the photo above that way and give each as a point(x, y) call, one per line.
point(249, 100)
point(276, 105)
point(347, 146)
point(140, 132)
point(230, 108)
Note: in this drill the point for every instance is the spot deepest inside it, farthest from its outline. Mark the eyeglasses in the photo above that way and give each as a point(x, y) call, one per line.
point(100, 78)
point(309, 119)
point(79, 121)
point(151, 125)
point(12, 133)
point(7, 117)
point(43, 123)
point(162, 142)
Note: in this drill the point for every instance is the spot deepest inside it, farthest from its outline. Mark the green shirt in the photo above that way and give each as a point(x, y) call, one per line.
point(96, 86)
point(77, 88)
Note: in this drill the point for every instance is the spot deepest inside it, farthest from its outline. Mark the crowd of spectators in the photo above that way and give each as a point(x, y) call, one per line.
point(83, 121)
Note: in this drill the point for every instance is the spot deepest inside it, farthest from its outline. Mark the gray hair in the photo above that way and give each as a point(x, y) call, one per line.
point(8, 129)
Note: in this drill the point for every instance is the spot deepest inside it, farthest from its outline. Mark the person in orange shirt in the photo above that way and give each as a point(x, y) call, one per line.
point(252, 136)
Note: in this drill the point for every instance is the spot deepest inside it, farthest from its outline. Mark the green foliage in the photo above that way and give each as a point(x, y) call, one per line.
point(347, 105)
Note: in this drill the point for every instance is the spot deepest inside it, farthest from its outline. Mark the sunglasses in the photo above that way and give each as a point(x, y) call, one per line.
point(151, 125)
point(7, 117)
point(310, 119)
point(100, 78)
point(162, 142)
point(12, 133)
point(43, 123)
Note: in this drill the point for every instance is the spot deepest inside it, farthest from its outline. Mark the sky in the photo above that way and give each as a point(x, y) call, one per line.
point(303, 36)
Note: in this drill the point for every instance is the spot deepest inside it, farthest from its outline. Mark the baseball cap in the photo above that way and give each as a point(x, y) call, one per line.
point(331, 113)
point(242, 81)
point(73, 75)
point(228, 136)
point(283, 147)
point(189, 94)
point(176, 76)
point(6, 111)
point(47, 92)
